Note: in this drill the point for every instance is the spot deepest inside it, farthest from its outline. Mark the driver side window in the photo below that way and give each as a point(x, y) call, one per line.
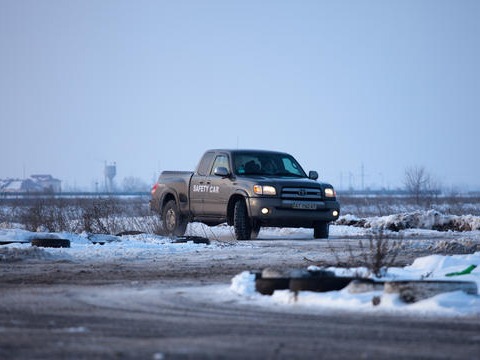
point(220, 161)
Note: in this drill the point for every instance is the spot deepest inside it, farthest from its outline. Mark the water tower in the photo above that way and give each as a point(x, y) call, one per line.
point(110, 172)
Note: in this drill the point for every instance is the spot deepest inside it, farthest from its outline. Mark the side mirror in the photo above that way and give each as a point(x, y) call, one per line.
point(313, 175)
point(221, 171)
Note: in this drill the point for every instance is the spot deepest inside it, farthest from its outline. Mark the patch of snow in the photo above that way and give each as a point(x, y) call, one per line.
point(430, 220)
point(114, 248)
point(244, 284)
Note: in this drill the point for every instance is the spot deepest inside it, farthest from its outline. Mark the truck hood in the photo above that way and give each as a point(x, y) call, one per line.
point(287, 181)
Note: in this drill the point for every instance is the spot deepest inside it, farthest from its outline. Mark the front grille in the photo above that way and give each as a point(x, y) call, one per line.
point(301, 193)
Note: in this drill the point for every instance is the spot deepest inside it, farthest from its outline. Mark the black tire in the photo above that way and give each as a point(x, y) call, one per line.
point(255, 231)
point(268, 286)
point(321, 230)
point(173, 223)
point(241, 222)
point(51, 243)
point(129, 232)
point(194, 239)
point(319, 284)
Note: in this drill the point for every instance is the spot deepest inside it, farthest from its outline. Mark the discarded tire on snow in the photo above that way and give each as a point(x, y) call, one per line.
point(319, 283)
point(269, 280)
point(51, 243)
point(298, 280)
point(129, 232)
point(268, 286)
point(415, 290)
point(194, 239)
point(410, 291)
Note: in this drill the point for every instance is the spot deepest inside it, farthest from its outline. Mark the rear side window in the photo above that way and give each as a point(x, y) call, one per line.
point(204, 165)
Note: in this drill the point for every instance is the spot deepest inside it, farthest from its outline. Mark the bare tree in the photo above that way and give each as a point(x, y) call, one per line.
point(420, 184)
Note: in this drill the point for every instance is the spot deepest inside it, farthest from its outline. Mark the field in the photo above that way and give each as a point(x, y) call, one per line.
point(142, 295)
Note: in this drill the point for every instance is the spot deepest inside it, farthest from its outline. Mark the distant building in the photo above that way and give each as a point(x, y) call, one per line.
point(34, 184)
point(48, 183)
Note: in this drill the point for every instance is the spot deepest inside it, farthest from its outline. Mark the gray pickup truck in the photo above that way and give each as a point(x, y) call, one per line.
point(247, 189)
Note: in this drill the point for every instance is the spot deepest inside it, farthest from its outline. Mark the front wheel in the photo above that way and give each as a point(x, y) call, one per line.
point(241, 221)
point(255, 230)
point(321, 230)
point(174, 224)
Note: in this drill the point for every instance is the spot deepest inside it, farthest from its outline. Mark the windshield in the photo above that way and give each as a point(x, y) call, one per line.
point(266, 164)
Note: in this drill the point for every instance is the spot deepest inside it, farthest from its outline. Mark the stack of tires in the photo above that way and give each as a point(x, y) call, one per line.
point(409, 291)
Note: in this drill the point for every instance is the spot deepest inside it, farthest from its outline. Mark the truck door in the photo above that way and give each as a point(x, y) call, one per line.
point(198, 185)
point(216, 198)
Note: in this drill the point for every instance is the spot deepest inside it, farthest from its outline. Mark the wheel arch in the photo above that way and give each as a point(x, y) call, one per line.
point(166, 197)
point(231, 205)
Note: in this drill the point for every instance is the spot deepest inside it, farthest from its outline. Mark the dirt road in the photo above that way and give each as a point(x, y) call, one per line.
point(148, 310)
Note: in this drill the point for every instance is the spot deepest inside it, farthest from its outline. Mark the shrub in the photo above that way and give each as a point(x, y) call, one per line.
point(377, 254)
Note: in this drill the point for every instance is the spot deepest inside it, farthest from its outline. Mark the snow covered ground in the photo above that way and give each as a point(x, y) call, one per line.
point(455, 303)
point(429, 220)
point(147, 247)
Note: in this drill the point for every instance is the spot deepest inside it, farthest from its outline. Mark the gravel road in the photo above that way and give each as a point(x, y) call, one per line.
point(148, 310)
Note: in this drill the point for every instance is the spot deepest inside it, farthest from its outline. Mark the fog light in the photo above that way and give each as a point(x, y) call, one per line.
point(335, 213)
point(265, 211)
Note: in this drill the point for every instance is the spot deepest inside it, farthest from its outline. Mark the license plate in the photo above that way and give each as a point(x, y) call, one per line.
point(304, 206)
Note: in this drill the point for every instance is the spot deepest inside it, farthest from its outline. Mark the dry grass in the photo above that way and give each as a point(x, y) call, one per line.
point(377, 254)
point(108, 215)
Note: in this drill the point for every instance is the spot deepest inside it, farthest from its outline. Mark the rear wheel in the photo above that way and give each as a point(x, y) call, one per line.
point(241, 221)
point(174, 224)
point(321, 230)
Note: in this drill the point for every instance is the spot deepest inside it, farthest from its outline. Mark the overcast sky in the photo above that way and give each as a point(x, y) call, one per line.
point(151, 85)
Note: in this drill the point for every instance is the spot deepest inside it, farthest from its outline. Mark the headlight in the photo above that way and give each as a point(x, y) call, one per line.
point(264, 190)
point(329, 192)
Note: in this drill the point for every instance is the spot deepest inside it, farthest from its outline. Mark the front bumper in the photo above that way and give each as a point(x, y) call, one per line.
point(287, 213)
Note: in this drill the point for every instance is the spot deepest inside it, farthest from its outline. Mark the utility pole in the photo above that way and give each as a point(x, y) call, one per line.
point(363, 177)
